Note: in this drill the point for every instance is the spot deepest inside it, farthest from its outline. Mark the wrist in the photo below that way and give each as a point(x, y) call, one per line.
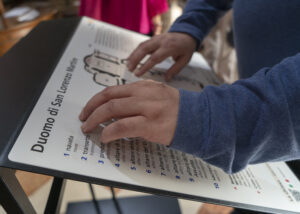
point(194, 33)
point(190, 131)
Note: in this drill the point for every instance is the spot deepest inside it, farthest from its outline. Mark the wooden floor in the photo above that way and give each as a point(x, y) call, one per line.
point(30, 181)
point(214, 209)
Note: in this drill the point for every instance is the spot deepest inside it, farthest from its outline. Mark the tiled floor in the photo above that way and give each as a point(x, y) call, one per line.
point(78, 191)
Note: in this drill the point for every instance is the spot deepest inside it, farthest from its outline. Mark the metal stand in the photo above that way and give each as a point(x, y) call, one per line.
point(12, 197)
point(14, 200)
point(55, 196)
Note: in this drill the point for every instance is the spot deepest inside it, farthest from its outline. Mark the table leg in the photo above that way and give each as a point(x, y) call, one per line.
point(12, 196)
point(55, 196)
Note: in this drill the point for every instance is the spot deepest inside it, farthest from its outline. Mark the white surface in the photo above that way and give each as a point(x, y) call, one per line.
point(67, 149)
point(17, 11)
point(31, 15)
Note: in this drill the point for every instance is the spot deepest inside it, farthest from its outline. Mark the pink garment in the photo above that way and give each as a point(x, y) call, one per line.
point(134, 15)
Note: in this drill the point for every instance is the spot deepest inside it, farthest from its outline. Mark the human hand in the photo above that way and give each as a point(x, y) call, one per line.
point(178, 45)
point(146, 109)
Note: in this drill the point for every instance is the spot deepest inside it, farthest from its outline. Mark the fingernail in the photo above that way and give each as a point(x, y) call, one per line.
point(84, 127)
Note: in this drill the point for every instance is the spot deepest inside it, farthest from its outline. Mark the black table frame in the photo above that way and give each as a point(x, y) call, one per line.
point(14, 200)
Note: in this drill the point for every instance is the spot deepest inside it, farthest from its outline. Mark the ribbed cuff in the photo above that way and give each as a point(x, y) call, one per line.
point(188, 29)
point(190, 130)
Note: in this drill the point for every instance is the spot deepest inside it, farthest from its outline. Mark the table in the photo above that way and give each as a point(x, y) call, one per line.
point(37, 53)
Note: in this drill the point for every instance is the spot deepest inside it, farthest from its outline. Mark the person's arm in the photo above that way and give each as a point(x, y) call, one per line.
point(183, 39)
point(251, 121)
point(155, 9)
point(157, 25)
point(199, 16)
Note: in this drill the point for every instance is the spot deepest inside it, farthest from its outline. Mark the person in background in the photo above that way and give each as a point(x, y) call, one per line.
point(142, 16)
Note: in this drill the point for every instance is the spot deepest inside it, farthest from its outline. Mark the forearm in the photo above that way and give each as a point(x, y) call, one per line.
point(199, 16)
point(252, 121)
point(157, 24)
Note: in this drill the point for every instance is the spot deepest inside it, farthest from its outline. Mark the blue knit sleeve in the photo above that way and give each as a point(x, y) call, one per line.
point(252, 121)
point(199, 16)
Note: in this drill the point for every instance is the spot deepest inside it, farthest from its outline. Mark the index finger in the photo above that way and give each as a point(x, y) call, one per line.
point(112, 92)
point(140, 52)
point(155, 58)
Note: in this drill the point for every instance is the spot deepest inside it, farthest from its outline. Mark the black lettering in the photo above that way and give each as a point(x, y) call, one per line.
point(45, 134)
point(47, 127)
point(42, 140)
point(37, 148)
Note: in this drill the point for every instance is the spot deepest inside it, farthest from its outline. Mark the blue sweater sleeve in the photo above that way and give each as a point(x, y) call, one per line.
point(252, 121)
point(199, 16)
